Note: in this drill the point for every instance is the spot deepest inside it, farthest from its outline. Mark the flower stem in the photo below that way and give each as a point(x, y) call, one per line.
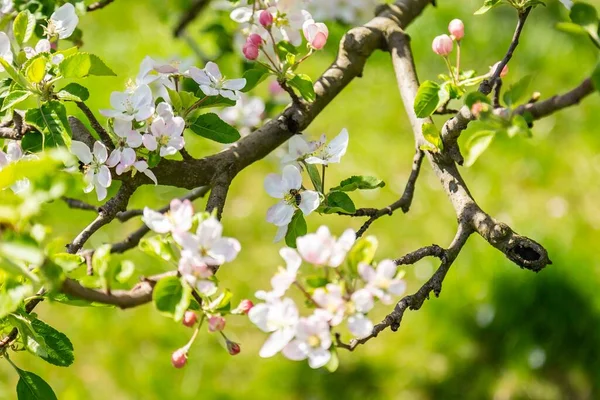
point(450, 69)
point(306, 294)
point(458, 60)
point(194, 335)
point(194, 106)
point(323, 180)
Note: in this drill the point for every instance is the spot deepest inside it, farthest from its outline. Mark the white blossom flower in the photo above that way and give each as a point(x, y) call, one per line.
point(196, 273)
point(167, 132)
point(212, 82)
point(312, 341)
point(13, 154)
point(208, 243)
point(361, 302)
point(62, 22)
point(284, 278)
point(331, 153)
point(330, 299)
point(178, 218)
point(278, 317)
point(42, 46)
point(151, 70)
point(123, 156)
point(321, 248)
point(142, 166)
point(246, 114)
point(288, 188)
point(299, 148)
point(288, 20)
point(128, 106)
point(382, 283)
point(5, 51)
point(96, 174)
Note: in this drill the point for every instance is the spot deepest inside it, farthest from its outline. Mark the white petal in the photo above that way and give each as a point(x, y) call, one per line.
point(363, 300)
point(310, 201)
point(213, 69)
point(209, 231)
point(209, 90)
point(296, 350)
point(258, 316)
point(274, 186)
point(229, 94)
point(397, 287)
point(104, 177)
point(241, 14)
point(281, 232)
point(151, 175)
point(276, 342)
point(292, 259)
point(226, 248)
point(387, 268)
point(199, 76)
point(317, 358)
point(280, 214)
point(360, 326)
point(149, 142)
point(338, 146)
point(366, 272)
point(100, 152)
point(291, 178)
point(315, 160)
point(156, 221)
point(101, 192)
point(82, 152)
point(235, 84)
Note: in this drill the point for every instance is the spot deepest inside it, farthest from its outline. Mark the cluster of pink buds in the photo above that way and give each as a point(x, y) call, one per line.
point(443, 44)
point(252, 46)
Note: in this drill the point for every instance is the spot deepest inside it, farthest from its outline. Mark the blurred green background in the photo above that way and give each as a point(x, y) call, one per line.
point(496, 332)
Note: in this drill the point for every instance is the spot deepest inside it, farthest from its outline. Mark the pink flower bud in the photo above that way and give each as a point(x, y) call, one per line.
point(216, 323)
point(457, 29)
point(316, 33)
point(250, 51)
point(504, 70)
point(179, 358)
point(442, 45)
point(266, 19)
point(189, 318)
point(233, 348)
point(244, 307)
point(255, 39)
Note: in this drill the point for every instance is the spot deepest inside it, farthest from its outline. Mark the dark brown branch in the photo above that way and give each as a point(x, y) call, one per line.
point(218, 196)
point(98, 5)
point(104, 136)
point(78, 204)
point(190, 14)
point(404, 202)
point(430, 251)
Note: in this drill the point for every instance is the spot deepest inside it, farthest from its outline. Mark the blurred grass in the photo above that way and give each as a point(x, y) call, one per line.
point(496, 332)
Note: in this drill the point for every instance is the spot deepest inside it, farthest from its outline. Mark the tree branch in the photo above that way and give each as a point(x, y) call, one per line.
point(191, 14)
point(98, 5)
point(104, 136)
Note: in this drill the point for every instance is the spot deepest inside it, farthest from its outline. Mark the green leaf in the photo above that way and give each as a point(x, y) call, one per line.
point(206, 101)
point(304, 85)
point(432, 135)
point(14, 74)
point(33, 341)
point(175, 99)
point(51, 119)
point(124, 271)
point(36, 70)
point(570, 27)
point(517, 91)
point(476, 145)
point(58, 346)
point(316, 281)
point(359, 183)
point(519, 126)
point(315, 177)
point(427, 99)
point(254, 77)
point(586, 16)
point(73, 92)
point(32, 142)
point(14, 98)
point(487, 5)
point(68, 262)
point(334, 362)
point(221, 303)
point(214, 128)
point(297, 227)
point(339, 202)
point(363, 251)
point(23, 26)
point(12, 295)
point(80, 65)
point(172, 297)
point(157, 246)
point(32, 387)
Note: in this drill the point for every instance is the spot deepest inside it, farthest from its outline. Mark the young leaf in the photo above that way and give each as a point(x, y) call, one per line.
point(475, 97)
point(363, 251)
point(23, 26)
point(51, 119)
point(297, 227)
point(157, 247)
point(254, 77)
point(334, 362)
point(315, 177)
point(427, 99)
point(517, 91)
point(172, 297)
point(175, 99)
point(476, 145)
point(339, 202)
point(432, 135)
point(12, 294)
point(519, 127)
point(73, 92)
point(80, 65)
point(14, 74)
point(14, 98)
point(36, 70)
point(487, 5)
point(214, 128)
point(59, 348)
point(359, 183)
point(304, 85)
point(32, 387)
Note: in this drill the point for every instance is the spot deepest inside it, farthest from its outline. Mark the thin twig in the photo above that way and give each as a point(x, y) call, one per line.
point(190, 14)
point(98, 5)
point(104, 136)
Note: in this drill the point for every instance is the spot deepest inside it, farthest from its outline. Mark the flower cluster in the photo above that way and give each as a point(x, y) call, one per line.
point(346, 287)
point(201, 249)
point(288, 187)
point(144, 133)
point(269, 26)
